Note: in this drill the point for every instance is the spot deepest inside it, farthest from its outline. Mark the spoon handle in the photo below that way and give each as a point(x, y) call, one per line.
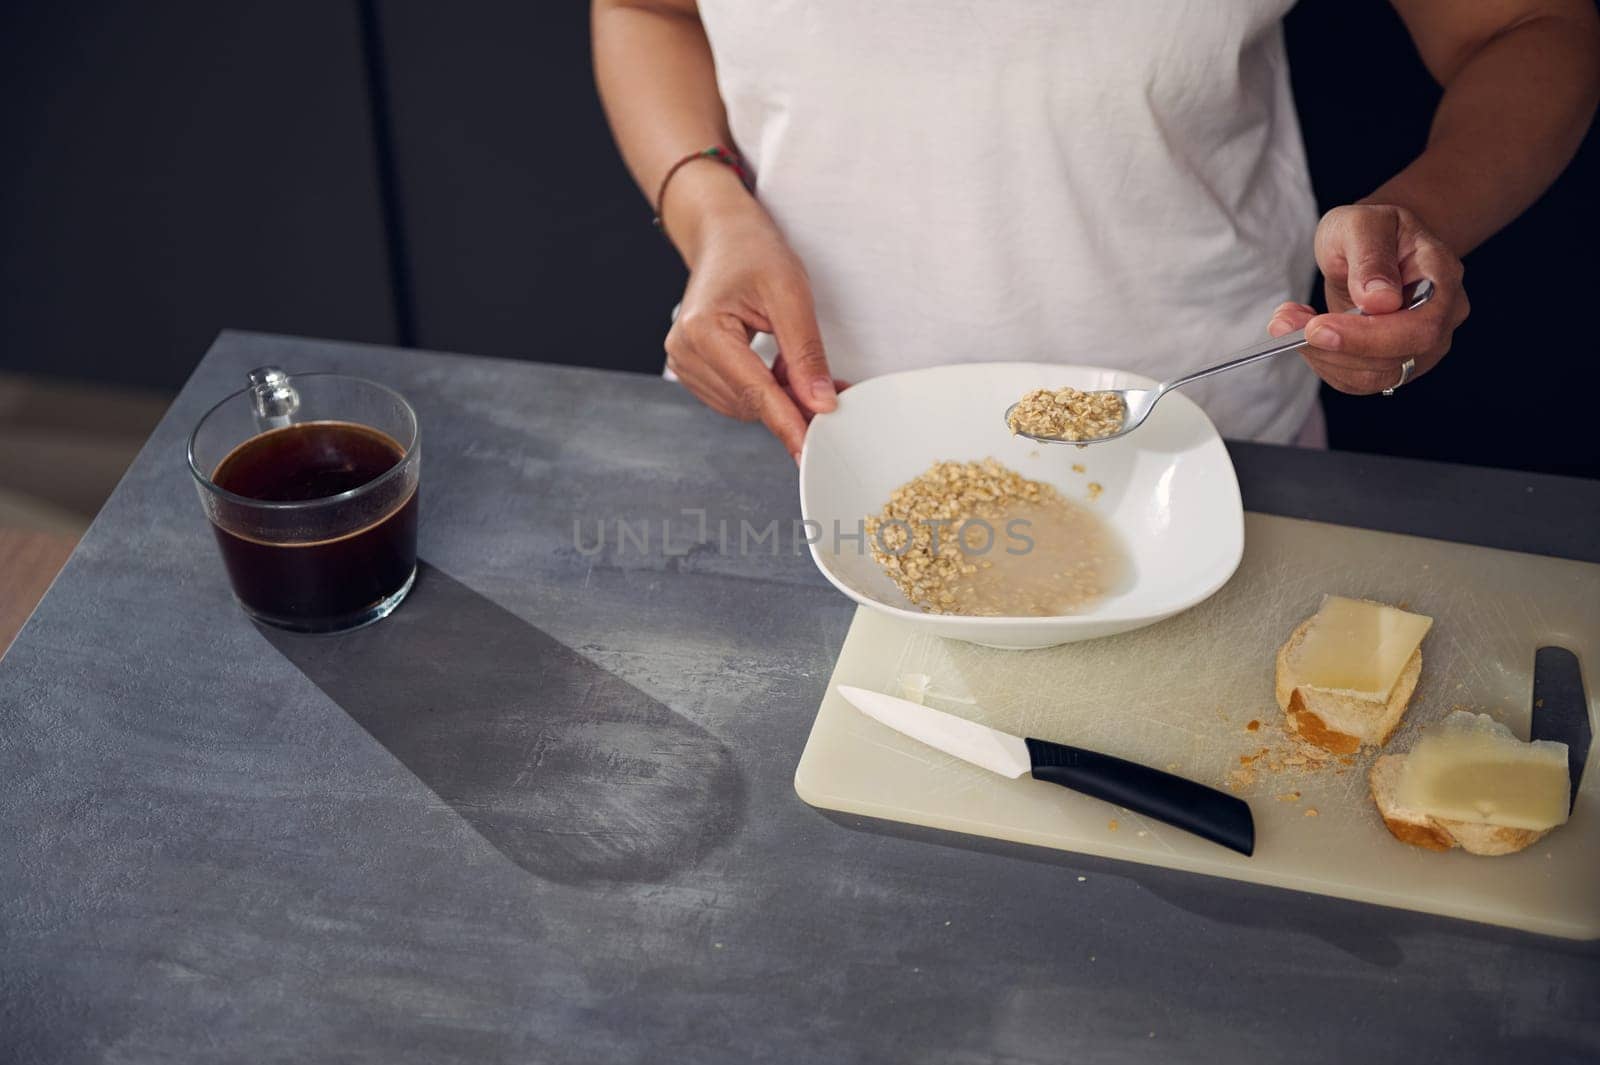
point(1413, 296)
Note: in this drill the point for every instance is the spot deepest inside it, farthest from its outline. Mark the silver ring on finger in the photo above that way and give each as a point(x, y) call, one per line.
point(1405, 375)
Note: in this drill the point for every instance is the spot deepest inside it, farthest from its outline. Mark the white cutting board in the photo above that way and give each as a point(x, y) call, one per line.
point(1180, 695)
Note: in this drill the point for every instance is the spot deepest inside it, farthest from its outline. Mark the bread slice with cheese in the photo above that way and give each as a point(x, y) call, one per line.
point(1339, 721)
point(1437, 833)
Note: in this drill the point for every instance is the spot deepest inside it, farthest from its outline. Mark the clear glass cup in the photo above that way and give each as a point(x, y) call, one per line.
point(310, 483)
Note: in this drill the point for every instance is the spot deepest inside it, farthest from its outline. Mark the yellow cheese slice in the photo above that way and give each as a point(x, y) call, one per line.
point(1469, 767)
point(1357, 647)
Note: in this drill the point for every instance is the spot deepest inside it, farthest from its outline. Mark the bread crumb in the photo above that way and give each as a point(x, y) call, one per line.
point(1095, 488)
point(1077, 467)
point(1172, 767)
point(1311, 811)
point(1289, 796)
point(1112, 824)
point(1285, 753)
point(1081, 879)
point(1538, 703)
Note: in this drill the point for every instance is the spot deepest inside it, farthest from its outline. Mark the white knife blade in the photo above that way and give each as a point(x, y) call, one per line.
point(996, 751)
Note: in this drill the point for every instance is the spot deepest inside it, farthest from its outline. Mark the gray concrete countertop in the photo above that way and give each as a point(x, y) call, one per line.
point(545, 812)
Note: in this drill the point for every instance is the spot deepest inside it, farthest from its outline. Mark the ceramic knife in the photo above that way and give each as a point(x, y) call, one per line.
point(1211, 814)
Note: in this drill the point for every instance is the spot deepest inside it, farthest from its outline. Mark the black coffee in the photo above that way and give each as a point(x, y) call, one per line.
point(304, 574)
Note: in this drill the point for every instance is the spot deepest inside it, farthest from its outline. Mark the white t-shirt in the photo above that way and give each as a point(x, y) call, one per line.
point(1093, 182)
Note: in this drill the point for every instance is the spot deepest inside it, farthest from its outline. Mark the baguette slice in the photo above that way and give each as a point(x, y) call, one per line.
point(1438, 833)
point(1337, 722)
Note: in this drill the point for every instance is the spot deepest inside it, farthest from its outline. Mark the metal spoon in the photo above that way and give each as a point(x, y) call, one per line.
point(1139, 402)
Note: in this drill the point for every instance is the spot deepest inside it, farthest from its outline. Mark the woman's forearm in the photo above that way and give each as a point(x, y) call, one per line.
point(658, 85)
point(1516, 105)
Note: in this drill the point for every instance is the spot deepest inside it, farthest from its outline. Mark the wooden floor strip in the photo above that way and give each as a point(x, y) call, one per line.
point(29, 561)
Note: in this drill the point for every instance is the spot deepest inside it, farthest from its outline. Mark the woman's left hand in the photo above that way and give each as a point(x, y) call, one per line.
point(1366, 253)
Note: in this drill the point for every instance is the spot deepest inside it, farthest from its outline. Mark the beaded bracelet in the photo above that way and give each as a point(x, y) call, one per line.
point(722, 154)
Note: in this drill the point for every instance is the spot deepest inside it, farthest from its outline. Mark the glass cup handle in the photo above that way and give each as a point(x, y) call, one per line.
point(272, 397)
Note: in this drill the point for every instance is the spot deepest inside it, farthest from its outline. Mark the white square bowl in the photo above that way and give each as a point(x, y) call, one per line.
point(1169, 491)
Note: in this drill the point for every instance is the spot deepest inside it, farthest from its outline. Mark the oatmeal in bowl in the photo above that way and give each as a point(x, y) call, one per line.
point(978, 539)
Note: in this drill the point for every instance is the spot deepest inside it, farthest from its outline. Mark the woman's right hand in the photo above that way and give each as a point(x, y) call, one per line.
point(744, 279)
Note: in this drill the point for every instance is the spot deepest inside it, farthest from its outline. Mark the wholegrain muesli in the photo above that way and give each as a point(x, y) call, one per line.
point(979, 539)
point(1067, 414)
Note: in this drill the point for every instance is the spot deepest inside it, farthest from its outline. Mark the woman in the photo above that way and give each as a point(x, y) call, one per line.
point(1103, 183)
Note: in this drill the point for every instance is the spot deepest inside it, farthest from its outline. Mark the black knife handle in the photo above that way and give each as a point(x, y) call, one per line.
point(1560, 709)
point(1207, 812)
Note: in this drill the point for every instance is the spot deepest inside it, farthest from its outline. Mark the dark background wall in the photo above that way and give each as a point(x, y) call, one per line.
point(167, 169)
point(405, 171)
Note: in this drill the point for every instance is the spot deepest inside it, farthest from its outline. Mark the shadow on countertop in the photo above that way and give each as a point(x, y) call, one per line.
point(566, 769)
